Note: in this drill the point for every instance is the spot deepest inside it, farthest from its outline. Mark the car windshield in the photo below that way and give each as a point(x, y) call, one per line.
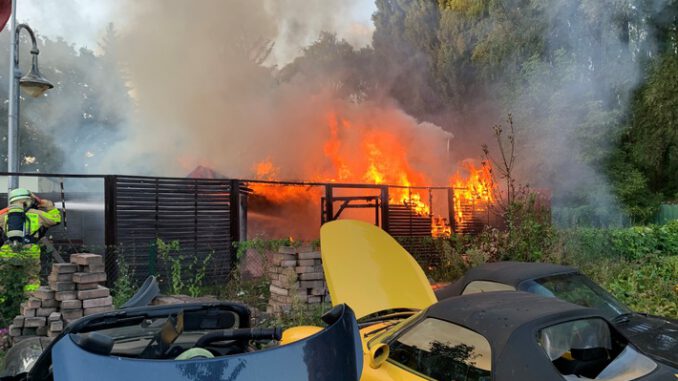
point(578, 289)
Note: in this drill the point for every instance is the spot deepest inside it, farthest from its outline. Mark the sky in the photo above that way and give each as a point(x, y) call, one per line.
point(82, 22)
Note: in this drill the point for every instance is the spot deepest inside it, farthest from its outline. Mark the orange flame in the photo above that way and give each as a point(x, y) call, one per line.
point(440, 227)
point(377, 156)
point(332, 150)
point(266, 170)
point(476, 190)
point(384, 161)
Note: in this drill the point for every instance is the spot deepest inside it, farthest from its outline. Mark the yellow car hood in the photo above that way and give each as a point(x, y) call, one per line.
point(368, 270)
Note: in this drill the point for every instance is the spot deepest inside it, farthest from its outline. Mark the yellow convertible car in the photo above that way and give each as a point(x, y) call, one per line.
point(407, 335)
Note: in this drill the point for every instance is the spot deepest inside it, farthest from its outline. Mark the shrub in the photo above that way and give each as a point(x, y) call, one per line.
point(173, 276)
point(648, 285)
point(125, 285)
point(15, 273)
point(633, 243)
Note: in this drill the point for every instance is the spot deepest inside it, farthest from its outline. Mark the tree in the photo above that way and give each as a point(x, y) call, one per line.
point(333, 63)
point(566, 69)
point(37, 151)
point(68, 127)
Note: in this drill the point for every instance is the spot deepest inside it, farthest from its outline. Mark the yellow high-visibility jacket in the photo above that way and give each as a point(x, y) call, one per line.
point(45, 216)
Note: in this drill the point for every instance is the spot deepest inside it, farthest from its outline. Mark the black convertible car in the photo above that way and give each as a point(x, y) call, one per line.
point(516, 336)
point(495, 336)
point(196, 342)
point(656, 336)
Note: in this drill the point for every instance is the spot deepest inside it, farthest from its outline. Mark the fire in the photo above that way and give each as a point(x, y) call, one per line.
point(354, 152)
point(475, 190)
point(332, 151)
point(440, 227)
point(267, 171)
point(379, 157)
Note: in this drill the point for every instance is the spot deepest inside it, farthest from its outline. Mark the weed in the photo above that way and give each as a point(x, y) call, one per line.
point(174, 278)
point(15, 273)
point(125, 285)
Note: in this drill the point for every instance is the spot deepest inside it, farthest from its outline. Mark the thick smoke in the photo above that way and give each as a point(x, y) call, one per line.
point(207, 93)
point(206, 82)
point(300, 22)
point(205, 98)
point(565, 69)
point(571, 109)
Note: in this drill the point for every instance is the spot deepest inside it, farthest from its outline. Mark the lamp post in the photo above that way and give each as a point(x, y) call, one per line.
point(33, 83)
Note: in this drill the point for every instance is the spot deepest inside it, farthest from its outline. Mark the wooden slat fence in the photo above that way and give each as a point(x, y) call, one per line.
point(195, 212)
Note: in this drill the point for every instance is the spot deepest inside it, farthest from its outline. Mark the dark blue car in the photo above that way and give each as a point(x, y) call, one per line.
point(195, 342)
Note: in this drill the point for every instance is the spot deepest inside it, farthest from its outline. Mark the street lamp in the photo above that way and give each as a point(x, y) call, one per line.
point(33, 83)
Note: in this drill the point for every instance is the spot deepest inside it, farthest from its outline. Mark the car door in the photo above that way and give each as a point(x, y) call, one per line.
point(389, 372)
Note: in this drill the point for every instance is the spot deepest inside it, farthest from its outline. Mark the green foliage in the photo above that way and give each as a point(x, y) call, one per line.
point(252, 292)
point(263, 246)
point(198, 268)
point(5, 343)
point(643, 166)
point(125, 285)
point(568, 70)
point(171, 276)
point(447, 264)
point(333, 63)
point(15, 273)
point(301, 314)
point(650, 284)
point(646, 285)
point(631, 188)
point(529, 235)
point(174, 277)
point(630, 244)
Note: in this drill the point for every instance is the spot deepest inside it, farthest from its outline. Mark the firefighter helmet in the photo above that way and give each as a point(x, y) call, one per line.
point(19, 194)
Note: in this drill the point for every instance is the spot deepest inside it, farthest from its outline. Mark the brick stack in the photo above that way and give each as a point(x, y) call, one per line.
point(73, 292)
point(297, 277)
point(93, 297)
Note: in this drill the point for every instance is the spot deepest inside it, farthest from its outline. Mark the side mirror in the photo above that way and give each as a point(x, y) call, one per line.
point(378, 354)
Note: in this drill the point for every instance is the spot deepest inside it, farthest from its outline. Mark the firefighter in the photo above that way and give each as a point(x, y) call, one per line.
point(24, 223)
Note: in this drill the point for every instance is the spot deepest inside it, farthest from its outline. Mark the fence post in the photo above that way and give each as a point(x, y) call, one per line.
point(329, 204)
point(450, 209)
point(243, 215)
point(110, 229)
point(384, 208)
point(234, 223)
point(153, 259)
